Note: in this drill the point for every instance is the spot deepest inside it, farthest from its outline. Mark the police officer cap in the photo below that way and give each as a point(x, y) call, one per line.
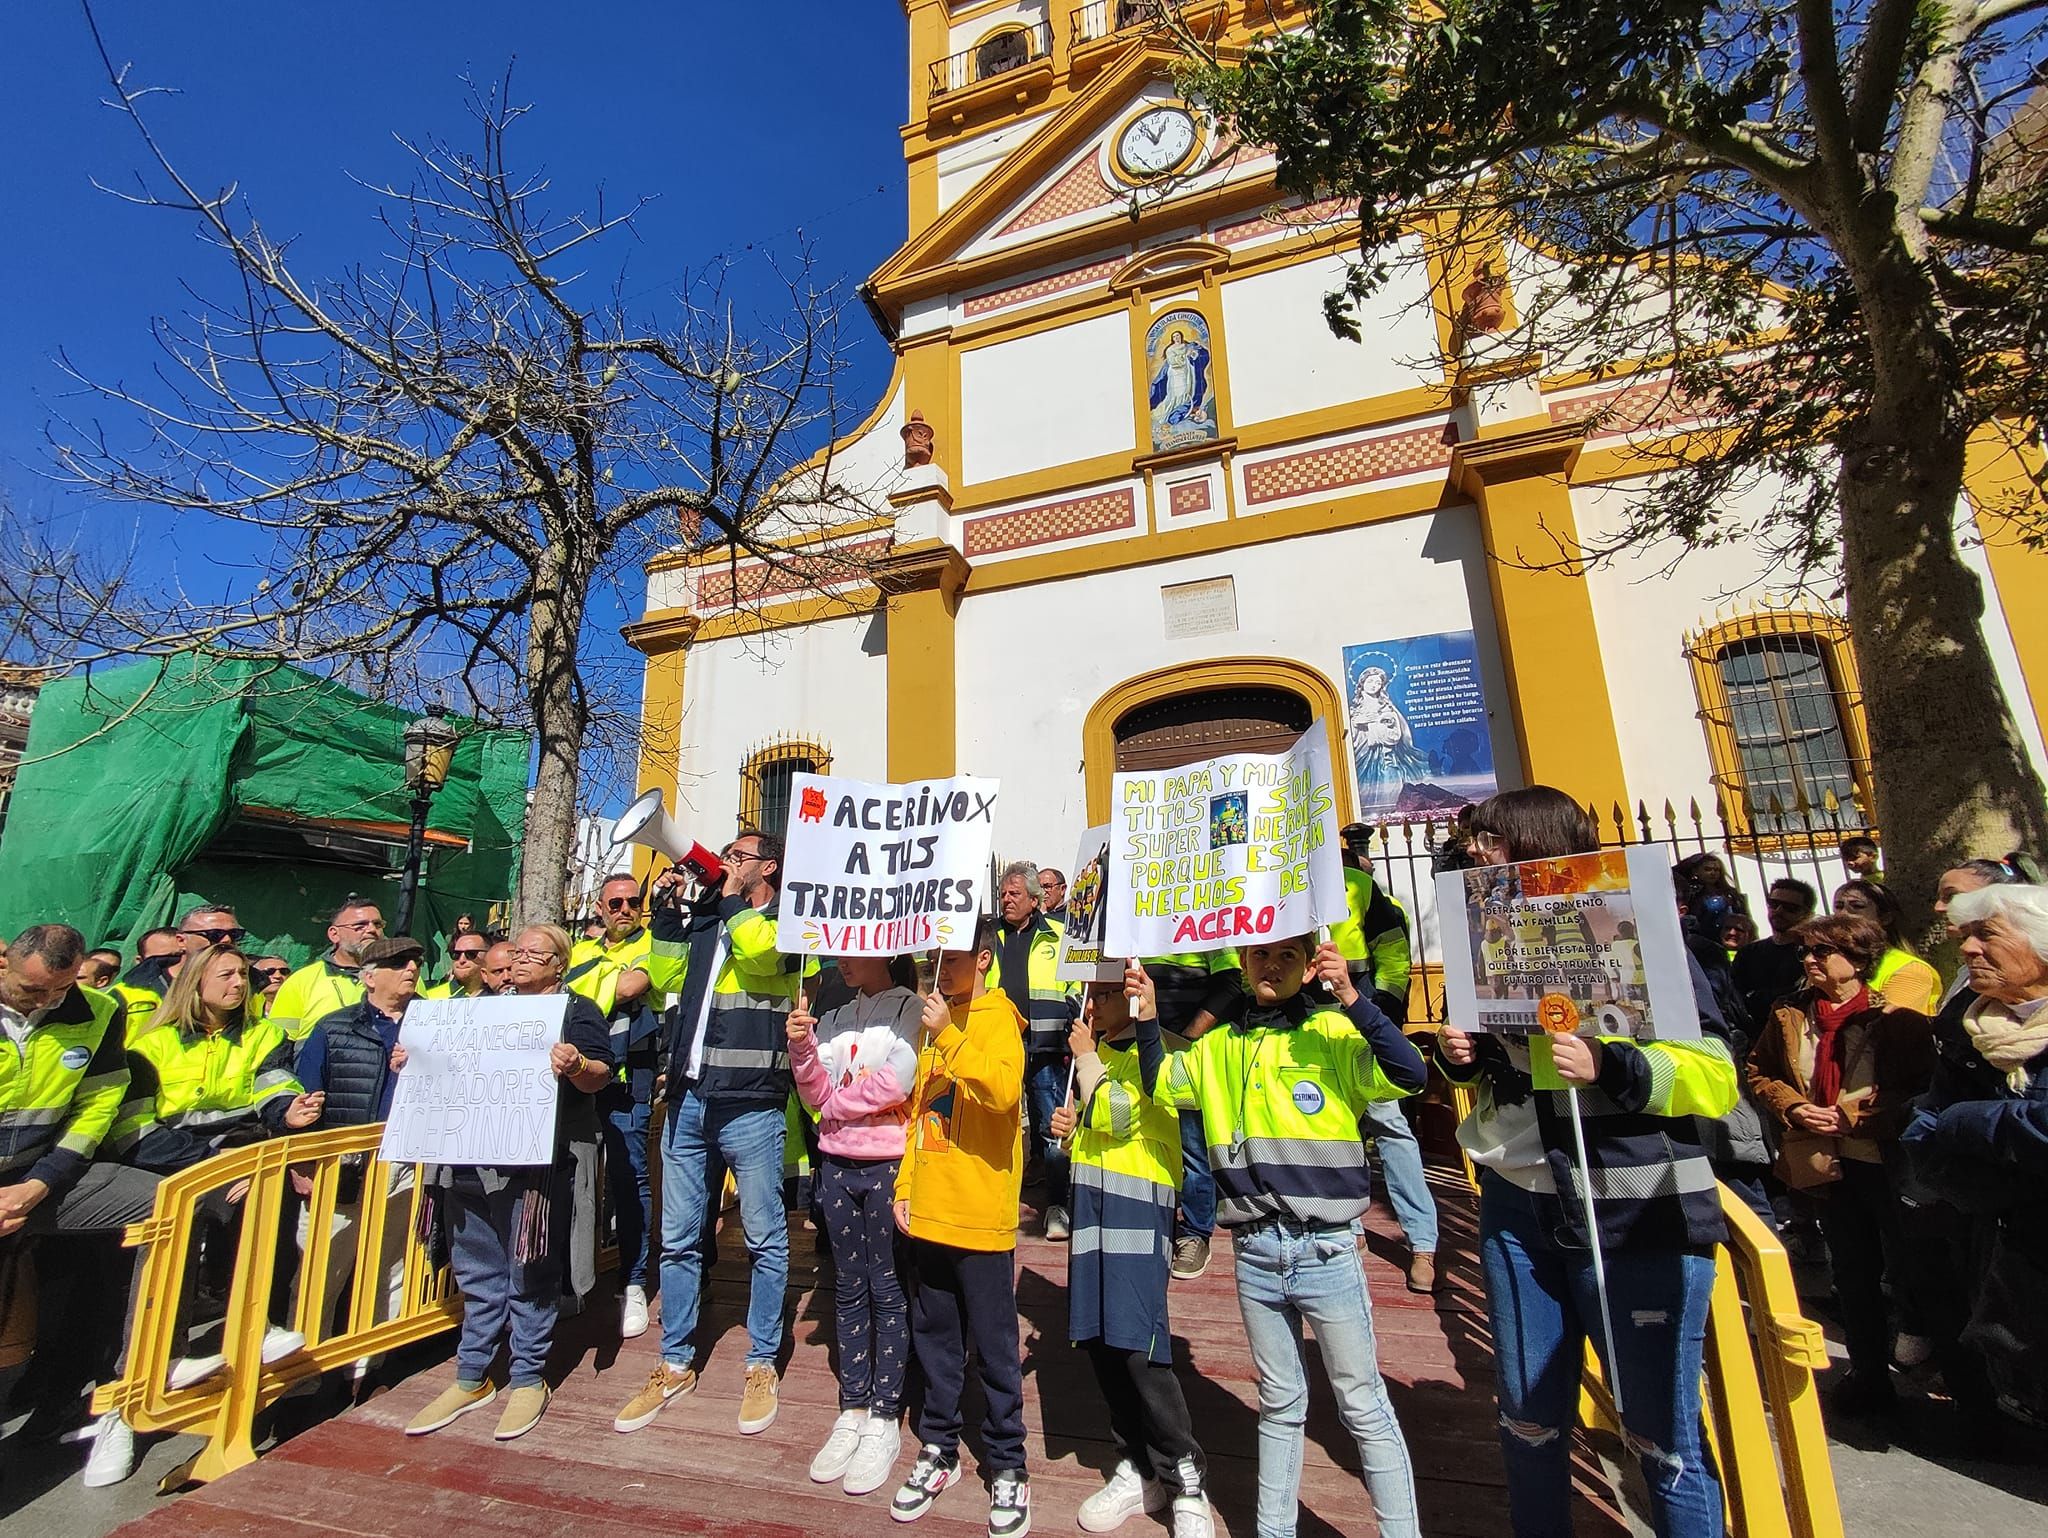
point(393, 951)
point(1356, 833)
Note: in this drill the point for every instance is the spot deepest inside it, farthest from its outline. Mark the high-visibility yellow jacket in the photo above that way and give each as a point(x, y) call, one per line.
point(317, 989)
point(595, 967)
point(1049, 1005)
point(1280, 1094)
point(1372, 937)
point(1126, 1132)
point(191, 1094)
point(61, 1087)
point(745, 1052)
point(445, 989)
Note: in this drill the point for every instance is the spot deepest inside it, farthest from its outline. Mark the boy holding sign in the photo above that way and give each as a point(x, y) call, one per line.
point(1280, 1093)
point(956, 1197)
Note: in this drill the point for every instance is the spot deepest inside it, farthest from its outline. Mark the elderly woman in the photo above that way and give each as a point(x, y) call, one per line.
point(1839, 1068)
point(504, 1224)
point(1902, 977)
point(1979, 1138)
point(1659, 1219)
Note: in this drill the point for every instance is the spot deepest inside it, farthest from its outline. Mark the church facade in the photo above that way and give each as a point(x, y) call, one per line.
point(1133, 504)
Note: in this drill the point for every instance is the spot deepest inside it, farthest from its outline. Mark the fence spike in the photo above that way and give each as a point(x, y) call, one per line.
point(1643, 818)
point(1799, 800)
point(1777, 807)
point(1671, 817)
point(1832, 801)
point(1694, 810)
point(1620, 823)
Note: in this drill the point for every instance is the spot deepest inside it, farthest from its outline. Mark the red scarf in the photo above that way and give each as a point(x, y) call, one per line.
point(1827, 1047)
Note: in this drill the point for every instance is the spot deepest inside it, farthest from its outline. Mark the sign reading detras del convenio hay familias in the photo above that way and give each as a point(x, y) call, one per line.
point(1225, 852)
point(476, 1087)
point(876, 870)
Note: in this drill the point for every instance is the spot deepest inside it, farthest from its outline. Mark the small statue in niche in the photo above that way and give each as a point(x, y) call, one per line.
point(917, 441)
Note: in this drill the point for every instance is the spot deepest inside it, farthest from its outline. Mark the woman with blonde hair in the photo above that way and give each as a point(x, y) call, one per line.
point(211, 1072)
point(503, 1224)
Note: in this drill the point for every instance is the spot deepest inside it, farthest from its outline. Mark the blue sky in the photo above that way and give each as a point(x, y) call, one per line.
point(743, 120)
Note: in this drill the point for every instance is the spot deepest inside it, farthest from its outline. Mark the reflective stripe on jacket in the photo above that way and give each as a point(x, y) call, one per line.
point(1280, 1104)
point(1049, 1005)
point(231, 1087)
point(61, 1087)
point(746, 1042)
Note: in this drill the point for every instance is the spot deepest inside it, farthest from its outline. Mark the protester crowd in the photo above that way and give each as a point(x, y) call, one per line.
point(1837, 1083)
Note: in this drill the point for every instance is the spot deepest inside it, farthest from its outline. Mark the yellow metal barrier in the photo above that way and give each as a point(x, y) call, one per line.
point(379, 1316)
point(1763, 1409)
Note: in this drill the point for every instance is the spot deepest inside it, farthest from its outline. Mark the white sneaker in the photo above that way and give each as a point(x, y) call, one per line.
point(190, 1371)
point(881, 1443)
point(839, 1447)
point(112, 1458)
point(279, 1343)
point(1191, 1518)
point(633, 1323)
point(1127, 1493)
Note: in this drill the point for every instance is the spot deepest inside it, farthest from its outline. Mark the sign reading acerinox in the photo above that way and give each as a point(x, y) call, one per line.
point(876, 869)
point(1217, 853)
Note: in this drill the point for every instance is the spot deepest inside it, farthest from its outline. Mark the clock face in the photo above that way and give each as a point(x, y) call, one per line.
point(1156, 142)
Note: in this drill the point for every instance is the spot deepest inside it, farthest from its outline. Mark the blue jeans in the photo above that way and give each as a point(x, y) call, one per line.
point(1287, 1273)
point(1544, 1306)
point(1401, 1173)
point(500, 1294)
point(697, 1147)
point(625, 1163)
point(1197, 1186)
point(1045, 1081)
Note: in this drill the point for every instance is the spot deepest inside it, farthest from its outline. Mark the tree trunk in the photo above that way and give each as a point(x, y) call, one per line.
point(560, 717)
point(1953, 778)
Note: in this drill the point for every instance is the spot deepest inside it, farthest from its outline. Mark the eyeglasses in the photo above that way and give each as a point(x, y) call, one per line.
point(271, 974)
point(737, 856)
point(1820, 952)
point(468, 953)
point(217, 936)
point(361, 924)
point(621, 904)
point(546, 955)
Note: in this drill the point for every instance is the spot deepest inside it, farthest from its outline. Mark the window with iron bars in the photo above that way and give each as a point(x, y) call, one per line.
point(1782, 708)
point(766, 777)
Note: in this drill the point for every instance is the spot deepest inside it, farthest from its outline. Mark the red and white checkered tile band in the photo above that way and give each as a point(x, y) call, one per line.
point(1079, 191)
point(1043, 288)
point(1348, 464)
point(1098, 514)
point(1291, 221)
point(719, 587)
point(1188, 497)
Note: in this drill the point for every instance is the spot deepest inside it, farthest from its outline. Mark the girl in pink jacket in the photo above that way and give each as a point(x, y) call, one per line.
point(856, 1068)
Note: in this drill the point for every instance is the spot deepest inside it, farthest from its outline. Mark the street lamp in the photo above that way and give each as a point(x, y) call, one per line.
point(429, 750)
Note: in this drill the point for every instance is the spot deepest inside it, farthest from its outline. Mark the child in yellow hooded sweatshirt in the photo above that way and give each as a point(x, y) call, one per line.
point(956, 1197)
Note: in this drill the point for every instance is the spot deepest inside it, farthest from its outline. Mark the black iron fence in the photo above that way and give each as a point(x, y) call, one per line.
point(997, 55)
point(1407, 855)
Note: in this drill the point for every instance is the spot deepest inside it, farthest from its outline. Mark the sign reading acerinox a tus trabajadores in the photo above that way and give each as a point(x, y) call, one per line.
point(877, 869)
point(1226, 851)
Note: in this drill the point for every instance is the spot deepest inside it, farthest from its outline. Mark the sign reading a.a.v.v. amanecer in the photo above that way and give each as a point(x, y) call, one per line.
point(476, 1087)
point(876, 869)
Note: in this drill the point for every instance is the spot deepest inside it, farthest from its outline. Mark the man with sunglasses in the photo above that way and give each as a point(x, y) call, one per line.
point(728, 1081)
point(1769, 969)
point(266, 976)
point(612, 974)
point(163, 951)
point(465, 979)
point(329, 982)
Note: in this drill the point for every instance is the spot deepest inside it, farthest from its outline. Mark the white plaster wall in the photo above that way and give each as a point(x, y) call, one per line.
point(1284, 359)
point(1305, 598)
point(1642, 614)
point(819, 682)
point(967, 33)
point(963, 166)
point(1046, 399)
point(1998, 637)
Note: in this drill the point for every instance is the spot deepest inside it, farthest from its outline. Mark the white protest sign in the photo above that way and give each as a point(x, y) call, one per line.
point(876, 870)
point(476, 1087)
point(1585, 944)
point(1225, 852)
point(1082, 958)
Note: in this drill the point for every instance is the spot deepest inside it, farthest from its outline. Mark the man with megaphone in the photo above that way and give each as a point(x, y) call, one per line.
point(727, 1081)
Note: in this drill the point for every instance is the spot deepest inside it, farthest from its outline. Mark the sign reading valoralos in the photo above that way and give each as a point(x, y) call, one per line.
point(1225, 852)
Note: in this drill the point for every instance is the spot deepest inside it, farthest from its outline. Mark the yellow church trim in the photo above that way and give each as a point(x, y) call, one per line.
point(811, 610)
point(1098, 730)
point(2002, 477)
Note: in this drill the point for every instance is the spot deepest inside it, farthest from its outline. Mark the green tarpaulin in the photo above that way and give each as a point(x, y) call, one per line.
point(151, 786)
